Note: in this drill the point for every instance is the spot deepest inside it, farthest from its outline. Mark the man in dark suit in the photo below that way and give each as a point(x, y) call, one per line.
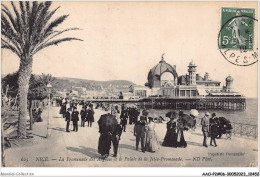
point(123, 118)
point(115, 138)
point(67, 119)
point(140, 132)
point(131, 115)
point(75, 119)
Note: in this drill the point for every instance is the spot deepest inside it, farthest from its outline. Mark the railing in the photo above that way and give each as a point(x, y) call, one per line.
point(239, 129)
point(245, 129)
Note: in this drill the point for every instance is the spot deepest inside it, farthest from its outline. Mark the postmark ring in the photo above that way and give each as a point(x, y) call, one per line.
point(242, 57)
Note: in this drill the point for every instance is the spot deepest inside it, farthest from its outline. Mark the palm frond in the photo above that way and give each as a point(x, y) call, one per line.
point(30, 30)
point(55, 23)
point(9, 33)
point(10, 47)
point(55, 34)
point(22, 9)
point(18, 20)
point(28, 9)
point(55, 42)
point(10, 16)
point(47, 17)
point(32, 16)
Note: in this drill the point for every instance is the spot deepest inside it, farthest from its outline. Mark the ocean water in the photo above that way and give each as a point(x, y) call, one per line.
point(247, 116)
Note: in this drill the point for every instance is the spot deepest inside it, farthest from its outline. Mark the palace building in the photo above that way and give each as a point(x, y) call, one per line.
point(163, 81)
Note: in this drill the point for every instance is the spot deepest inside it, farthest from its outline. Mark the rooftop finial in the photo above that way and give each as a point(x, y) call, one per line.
point(162, 57)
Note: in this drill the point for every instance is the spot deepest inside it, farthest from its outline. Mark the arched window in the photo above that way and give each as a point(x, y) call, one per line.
point(167, 77)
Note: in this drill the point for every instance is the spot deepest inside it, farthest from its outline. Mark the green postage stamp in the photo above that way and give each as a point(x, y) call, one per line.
point(237, 28)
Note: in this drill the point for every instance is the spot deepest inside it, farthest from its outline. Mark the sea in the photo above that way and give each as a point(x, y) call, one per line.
point(247, 116)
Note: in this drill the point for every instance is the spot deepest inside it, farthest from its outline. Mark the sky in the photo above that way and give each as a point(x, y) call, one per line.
point(124, 40)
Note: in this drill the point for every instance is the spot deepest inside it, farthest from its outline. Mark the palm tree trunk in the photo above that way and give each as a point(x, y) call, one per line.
point(25, 71)
point(30, 114)
point(2, 143)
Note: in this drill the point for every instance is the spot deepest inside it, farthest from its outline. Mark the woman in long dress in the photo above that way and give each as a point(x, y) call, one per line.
point(170, 138)
point(151, 143)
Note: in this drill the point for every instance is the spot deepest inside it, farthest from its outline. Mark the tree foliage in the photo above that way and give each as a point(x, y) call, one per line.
point(37, 86)
point(31, 28)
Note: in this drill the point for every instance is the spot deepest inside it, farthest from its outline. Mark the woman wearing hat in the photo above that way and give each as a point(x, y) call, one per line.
point(151, 143)
point(180, 128)
point(170, 138)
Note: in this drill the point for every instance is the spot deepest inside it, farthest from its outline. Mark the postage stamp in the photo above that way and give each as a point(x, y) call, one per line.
point(238, 31)
point(237, 37)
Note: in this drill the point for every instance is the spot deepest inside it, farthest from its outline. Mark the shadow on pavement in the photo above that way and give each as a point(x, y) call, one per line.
point(59, 129)
point(38, 135)
point(199, 134)
point(57, 117)
point(194, 144)
point(126, 146)
point(90, 152)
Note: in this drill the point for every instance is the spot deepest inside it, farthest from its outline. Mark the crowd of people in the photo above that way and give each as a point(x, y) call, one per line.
point(144, 127)
point(70, 113)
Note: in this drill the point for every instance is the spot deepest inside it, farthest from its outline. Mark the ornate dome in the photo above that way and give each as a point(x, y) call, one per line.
point(162, 67)
point(229, 79)
point(156, 72)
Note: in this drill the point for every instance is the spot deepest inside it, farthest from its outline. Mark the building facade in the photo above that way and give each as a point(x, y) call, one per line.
point(164, 81)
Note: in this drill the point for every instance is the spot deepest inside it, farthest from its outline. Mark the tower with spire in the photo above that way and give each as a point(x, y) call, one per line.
point(229, 84)
point(192, 73)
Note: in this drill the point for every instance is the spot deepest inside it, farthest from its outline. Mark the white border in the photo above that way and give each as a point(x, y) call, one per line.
point(142, 171)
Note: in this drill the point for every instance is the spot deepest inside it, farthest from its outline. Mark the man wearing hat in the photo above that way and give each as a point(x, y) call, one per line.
point(116, 137)
point(205, 128)
point(75, 119)
point(67, 119)
point(140, 131)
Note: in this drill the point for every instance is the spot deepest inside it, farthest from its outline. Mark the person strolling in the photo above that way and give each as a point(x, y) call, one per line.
point(67, 119)
point(170, 138)
point(205, 128)
point(83, 116)
point(213, 129)
point(116, 137)
point(75, 119)
point(151, 142)
point(140, 132)
point(90, 116)
point(180, 128)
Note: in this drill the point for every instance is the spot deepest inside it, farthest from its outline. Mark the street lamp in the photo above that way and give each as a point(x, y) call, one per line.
point(48, 86)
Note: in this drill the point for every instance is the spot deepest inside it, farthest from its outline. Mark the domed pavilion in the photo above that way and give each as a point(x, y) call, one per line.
point(162, 74)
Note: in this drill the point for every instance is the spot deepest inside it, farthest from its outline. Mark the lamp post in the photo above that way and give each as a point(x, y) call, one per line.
point(49, 107)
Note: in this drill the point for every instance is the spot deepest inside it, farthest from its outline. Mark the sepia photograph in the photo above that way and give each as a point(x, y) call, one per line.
point(129, 84)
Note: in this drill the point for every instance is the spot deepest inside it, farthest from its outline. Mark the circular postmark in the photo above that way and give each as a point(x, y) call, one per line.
point(237, 40)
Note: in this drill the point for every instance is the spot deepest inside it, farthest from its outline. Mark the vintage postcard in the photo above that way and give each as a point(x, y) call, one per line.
point(129, 84)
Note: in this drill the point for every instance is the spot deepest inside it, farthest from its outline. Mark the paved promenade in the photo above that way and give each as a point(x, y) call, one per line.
point(79, 149)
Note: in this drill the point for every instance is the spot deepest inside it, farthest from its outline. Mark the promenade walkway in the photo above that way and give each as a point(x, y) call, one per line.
point(79, 149)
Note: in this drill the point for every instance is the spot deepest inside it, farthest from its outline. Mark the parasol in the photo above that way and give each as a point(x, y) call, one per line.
point(107, 123)
point(172, 115)
point(145, 112)
point(188, 121)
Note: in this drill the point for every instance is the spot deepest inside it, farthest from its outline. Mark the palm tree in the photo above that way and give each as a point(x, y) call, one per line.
point(46, 79)
point(25, 33)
